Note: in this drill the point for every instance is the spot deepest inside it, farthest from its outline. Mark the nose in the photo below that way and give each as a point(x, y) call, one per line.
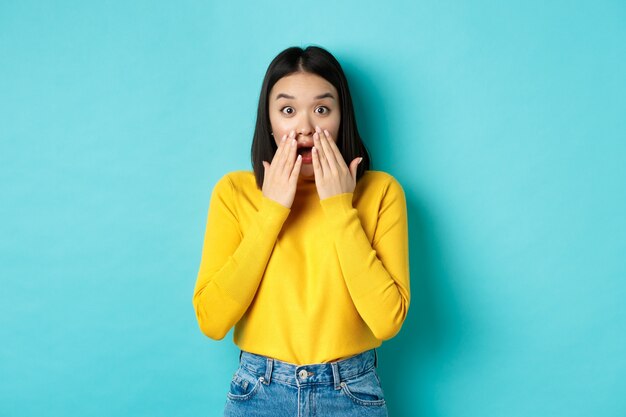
point(305, 126)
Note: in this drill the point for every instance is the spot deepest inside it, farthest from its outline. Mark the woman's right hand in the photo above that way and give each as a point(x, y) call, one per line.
point(281, 176)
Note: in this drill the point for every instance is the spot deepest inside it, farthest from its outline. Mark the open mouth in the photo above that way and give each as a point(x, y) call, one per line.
point(306, 153)
point(305, 150)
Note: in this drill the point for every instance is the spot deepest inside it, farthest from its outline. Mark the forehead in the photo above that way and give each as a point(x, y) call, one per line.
point(302, 85)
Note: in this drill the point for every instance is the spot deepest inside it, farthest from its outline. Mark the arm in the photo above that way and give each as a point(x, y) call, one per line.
point(376, 274)
point(232, 263)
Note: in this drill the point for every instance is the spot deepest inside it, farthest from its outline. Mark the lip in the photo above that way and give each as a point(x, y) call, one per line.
point(308, 157)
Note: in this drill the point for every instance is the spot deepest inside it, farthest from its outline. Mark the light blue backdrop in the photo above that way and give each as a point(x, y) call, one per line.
point(504, 121)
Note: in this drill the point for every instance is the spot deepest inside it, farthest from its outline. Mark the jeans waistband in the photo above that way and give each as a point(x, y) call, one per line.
point(318, 373)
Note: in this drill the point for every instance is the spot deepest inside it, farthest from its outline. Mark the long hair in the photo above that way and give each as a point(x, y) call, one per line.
point(317, 61)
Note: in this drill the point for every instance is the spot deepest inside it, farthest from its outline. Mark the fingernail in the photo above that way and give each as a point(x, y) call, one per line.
point(360, 160)
point(293, 142)
point(327, 132)
point(284, 138)
point(292, 133)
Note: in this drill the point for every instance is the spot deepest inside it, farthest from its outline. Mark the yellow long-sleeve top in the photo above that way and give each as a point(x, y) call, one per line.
point(324, 280)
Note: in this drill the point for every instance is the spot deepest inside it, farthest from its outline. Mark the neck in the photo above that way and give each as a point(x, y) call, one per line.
point(305, 180)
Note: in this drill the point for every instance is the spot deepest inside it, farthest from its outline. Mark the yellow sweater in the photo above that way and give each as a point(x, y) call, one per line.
point(321, 281)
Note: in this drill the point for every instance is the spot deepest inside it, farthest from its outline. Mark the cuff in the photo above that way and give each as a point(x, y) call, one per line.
point(273, 214)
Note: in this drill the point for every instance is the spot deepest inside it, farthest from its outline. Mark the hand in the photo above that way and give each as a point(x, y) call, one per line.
point(332, 176)
point(281, 177)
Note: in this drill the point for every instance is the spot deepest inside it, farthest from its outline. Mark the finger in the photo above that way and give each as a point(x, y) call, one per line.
point(325, 167)
point(266, 172)
point(295, 172)
point(317, 167)
point(285, 151)
point(290, 156)
point(327, 150)
point(335, 149)
point(279, 150)
point(353, 167)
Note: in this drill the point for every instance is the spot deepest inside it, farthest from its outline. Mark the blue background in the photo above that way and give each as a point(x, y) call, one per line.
point(504, 121)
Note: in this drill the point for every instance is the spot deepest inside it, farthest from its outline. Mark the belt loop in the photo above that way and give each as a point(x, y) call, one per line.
point(375, 358)
point(240, 353)
point(269, 365)
point(336, 376)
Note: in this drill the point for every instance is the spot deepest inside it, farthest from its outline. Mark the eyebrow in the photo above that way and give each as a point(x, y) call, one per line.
point(321, 96)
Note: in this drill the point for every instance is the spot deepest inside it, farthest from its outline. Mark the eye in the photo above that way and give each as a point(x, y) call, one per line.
point(322, 110)
point(288, 110)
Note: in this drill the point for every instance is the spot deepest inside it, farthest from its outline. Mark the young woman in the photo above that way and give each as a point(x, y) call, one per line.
point(307, 256)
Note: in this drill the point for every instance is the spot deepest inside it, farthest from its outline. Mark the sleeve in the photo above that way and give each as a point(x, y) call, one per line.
point(233, 262)
point(377, 273)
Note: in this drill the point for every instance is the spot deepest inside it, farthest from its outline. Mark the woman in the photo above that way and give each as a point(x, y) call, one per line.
point(308, 255)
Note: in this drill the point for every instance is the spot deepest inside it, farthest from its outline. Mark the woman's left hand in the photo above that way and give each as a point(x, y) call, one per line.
point(332, 175)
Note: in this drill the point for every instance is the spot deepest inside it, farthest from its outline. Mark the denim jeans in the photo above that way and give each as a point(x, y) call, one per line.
point(263, 386)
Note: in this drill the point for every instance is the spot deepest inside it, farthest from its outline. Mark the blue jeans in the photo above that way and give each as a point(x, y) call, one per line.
point(263, 386)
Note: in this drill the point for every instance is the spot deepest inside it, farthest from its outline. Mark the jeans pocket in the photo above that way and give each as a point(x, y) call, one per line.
point(244, 385)
point(364, 389)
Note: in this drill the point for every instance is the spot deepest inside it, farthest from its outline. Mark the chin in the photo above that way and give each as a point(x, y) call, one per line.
point(307, 172)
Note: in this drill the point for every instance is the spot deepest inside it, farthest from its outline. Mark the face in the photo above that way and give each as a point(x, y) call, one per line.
point(300, 102)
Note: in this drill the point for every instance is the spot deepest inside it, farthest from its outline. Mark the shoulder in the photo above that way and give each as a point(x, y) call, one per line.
point(380, 183)
point(236, 180)
point(234, 186)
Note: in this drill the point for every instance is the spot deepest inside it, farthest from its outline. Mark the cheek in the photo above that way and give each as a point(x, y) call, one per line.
point(279, 126)
point(333, 127)
point(334, 131)
point(279, 129)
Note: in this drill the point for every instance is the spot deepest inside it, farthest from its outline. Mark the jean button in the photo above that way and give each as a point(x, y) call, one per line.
point(303, 373)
